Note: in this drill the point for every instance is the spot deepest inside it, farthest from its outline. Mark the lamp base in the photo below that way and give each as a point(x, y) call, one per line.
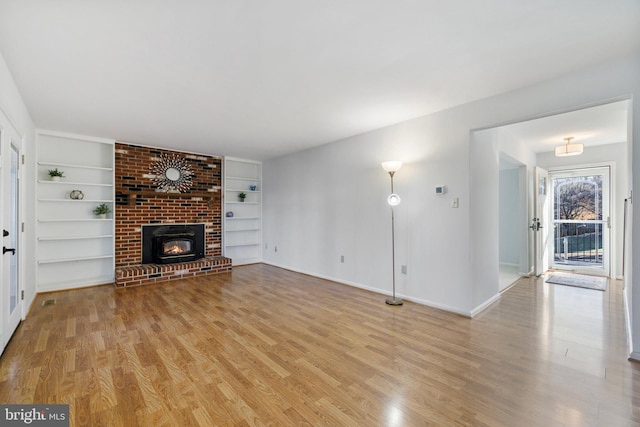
point(394, 301)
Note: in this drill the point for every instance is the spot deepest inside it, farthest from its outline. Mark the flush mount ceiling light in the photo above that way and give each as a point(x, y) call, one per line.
point(569, 149)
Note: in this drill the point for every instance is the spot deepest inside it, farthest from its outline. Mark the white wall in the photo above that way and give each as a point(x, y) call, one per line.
point(487, 147)
point(15, 120)
point(616, 153)
point(330, 201)
point(508, 217)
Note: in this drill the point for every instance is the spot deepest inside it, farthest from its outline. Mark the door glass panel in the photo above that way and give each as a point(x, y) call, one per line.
point(578, 220)
point(578, 198)
point(13, 231)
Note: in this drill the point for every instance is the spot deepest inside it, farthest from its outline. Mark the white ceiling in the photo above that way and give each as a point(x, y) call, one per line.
point(599, 125)
point(258, 79)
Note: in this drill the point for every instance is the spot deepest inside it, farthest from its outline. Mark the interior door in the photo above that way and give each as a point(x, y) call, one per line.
point(10, 180)
point(540, 222)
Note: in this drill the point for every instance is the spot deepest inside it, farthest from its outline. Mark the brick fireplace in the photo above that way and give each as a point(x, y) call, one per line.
point(138, 204)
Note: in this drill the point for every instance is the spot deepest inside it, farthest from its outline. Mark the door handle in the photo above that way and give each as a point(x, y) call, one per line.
point(5, 250)
point(536, 224)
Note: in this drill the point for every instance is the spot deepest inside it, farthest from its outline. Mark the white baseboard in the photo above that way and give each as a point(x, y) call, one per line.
point(633, 355)
point(420, 301)
point(438, 306)
point(484, 305)
point(333, 279)
point(508, 264)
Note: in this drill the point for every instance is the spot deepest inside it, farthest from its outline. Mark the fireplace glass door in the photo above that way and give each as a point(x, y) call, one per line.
point(177, 247)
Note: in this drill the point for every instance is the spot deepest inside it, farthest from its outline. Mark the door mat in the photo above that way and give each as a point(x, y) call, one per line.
point(578, 280)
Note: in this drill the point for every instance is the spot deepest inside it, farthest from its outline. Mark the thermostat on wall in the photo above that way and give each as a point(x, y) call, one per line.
point(441, 189)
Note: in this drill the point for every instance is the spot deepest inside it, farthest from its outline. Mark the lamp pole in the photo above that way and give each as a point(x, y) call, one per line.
point(393, 200)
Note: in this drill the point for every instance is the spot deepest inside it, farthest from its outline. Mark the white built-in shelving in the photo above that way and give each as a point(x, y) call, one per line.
point(75, 248)
point(243, 230)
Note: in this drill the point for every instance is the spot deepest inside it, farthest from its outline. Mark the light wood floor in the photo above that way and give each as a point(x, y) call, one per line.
point(265, 346)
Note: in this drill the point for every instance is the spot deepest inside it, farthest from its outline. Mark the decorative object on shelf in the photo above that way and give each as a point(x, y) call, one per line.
point(242, 196)
point(393, 200)
point(171, 174)
point(229, 214)
point(102, 210)
point(253, 187)
point(55, 174)
point(569, 149)
point(76, 195)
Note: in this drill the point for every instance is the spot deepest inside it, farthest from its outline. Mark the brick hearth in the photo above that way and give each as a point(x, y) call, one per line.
point(151, 273)
point(138, 204)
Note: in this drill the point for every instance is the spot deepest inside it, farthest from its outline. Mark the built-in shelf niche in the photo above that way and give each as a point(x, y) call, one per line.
point(75, 248)
point(243, 231)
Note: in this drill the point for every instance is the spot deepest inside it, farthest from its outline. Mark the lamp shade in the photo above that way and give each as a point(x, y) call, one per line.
point(392, 166)
point(393, 199)
point(569, 149)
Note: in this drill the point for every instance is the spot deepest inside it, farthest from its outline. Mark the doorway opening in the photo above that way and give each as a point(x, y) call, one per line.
point(604, 131)
point(512, 213)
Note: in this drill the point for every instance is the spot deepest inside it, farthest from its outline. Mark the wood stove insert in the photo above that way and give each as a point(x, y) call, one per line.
point(172, 243)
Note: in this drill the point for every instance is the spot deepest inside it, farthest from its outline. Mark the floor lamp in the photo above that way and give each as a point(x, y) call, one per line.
point(394, 200)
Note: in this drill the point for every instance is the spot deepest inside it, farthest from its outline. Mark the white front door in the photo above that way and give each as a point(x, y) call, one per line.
point(581, 225)
point(540, 222)
point(10, 191)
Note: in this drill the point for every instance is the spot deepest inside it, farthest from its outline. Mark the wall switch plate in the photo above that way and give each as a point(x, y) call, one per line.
point(455, 202)
point(403, 269)
point(342, 259)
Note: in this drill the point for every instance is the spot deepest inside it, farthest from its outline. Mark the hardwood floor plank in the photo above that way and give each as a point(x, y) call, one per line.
point(81, 414)
point(108, 397)
point(266, 346)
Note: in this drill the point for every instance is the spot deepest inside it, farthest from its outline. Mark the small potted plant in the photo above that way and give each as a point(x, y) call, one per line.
point(102, 210)
point(242, 196)
point(55, 174)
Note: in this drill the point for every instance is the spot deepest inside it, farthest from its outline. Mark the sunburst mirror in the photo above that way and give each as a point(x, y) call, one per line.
point(171, 174)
